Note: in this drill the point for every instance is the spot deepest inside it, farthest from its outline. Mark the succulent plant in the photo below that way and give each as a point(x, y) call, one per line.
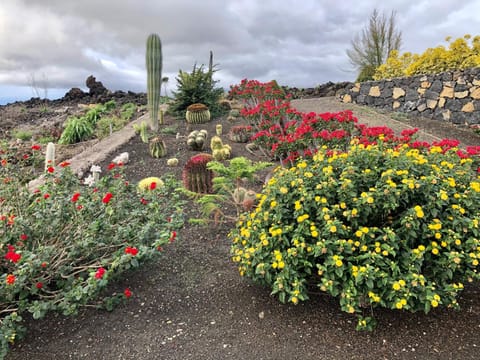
point(157, 147)
point(240, 133)
point(196, 177)
point(219, 150)
point(50, 155)
point(218, 129)
point(244, 197)
point(146, 184)
point(197, 139)
point(172, 162)
point(154, 78)
point(197, 114)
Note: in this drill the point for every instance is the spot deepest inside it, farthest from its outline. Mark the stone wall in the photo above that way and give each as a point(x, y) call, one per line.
point(450, 96)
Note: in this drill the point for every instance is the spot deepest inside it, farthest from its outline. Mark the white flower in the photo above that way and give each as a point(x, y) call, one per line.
point(89, 180)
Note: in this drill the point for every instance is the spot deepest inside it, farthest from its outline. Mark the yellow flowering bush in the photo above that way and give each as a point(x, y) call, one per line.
point(459, 55)
point(394, 227)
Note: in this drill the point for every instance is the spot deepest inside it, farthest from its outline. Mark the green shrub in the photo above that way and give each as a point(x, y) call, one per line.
point(108, 124)
point(77, 129)
point(374, 226)
point(63, 244)
point(24, 135)
point(196, 87)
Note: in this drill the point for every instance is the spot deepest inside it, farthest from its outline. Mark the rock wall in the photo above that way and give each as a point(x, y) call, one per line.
point(450, 96)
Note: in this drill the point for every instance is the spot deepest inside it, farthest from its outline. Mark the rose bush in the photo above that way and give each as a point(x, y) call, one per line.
point(61, 245)
point(379, 225)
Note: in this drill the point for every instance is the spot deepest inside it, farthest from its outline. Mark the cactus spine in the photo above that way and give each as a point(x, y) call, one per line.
point(154, 78)
point(196, 176)
point(50, 155)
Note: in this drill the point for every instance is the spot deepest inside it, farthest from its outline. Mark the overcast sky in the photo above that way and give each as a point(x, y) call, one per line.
point(303, 43)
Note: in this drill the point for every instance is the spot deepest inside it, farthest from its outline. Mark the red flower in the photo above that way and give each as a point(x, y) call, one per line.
point(23, 237)
point(12, 255)
point(39, 285)
point(50, 169)
point(75, 197)
point(174, 235)
point(64, 164)
point(25, 157)
point(4, 162)
point(10, 279)
point(127, 293)
point(43, 264)
point(143, 201)
point(46, 196)
point(131, 250)
point(153, 185)
point(79, 207)
point(111, 166)
point(36, 147)
point(100, 272)
point(106, 199)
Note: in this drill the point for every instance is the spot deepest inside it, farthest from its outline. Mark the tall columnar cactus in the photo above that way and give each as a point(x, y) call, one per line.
point(196, 176)
point(154, 78)
point(50, 155)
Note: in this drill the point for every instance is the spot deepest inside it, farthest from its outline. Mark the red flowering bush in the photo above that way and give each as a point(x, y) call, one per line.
point(62, 244)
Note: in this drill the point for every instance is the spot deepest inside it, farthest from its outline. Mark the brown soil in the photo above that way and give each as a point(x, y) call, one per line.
point(192, 303)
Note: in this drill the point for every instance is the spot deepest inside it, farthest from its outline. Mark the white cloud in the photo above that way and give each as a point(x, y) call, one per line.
point(299, 43)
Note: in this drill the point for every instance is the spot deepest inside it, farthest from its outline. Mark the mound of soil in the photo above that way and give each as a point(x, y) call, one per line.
point(192, 303)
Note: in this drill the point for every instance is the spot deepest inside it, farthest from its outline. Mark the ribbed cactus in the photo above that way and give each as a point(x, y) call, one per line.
point(157, 147)
point(196, 176)
point(50, 155)
point(197, 139)
point(154, 78)
point(219, 150)
point(197, 114)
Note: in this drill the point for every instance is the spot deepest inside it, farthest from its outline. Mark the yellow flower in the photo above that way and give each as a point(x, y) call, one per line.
point(396, 286)
point(273, 204)
point(314, 233)
point(358, 233)
point(338, 263)
point(333, 229)
point(419, 211)
point(281, 264)
point(434, 303)
point(294, 300)
point(298, 206)
point(370, 200)
point(283, 190)
point(458, 242)
point(435, 251)
point(354, 212)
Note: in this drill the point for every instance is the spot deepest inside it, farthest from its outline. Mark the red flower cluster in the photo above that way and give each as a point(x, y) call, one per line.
point(99, 274)
point(75, 197)
point(106, 199)
point(12, 255)
point(131, 250)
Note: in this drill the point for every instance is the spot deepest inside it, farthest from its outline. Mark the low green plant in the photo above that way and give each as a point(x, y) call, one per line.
point(108, 124)
point(169, 130)
point(22, 134)
point(64, 243)
point(373, 226)
point(77, 129)
point(230, 186)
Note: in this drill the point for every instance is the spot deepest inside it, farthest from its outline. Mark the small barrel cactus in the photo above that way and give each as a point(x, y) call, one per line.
point(219, 129)
point(172, 162)
point(197, 114)
point(150, 183)
point(240, 133)
point(157, 147)
point(219, 150)
point(197, 139)
point(196, 177)
point(244, 198)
